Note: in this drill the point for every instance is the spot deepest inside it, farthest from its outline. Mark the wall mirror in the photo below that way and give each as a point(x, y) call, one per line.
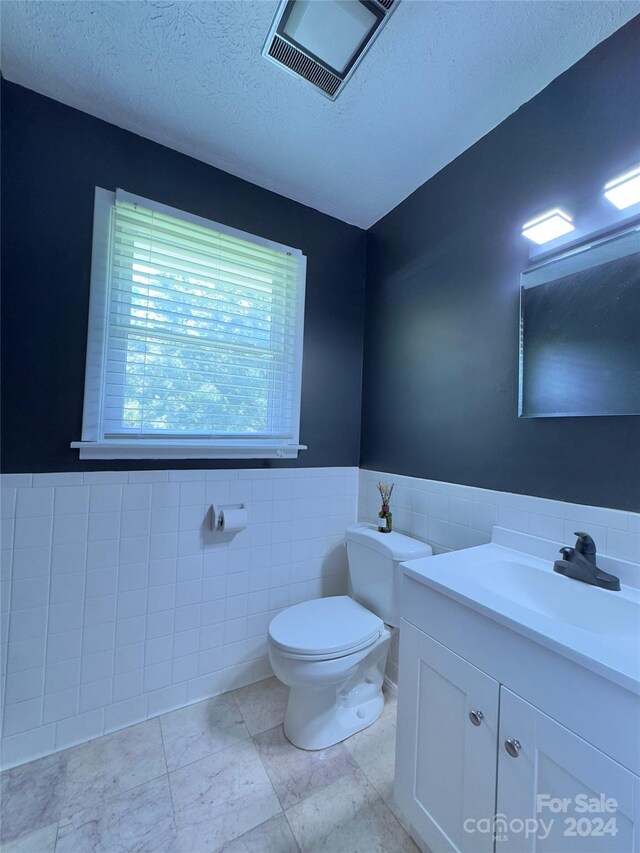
point(580, 331)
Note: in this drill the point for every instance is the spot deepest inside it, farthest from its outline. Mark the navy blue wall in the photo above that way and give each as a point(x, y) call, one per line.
point(440, 388)
point(440, 378)
point(53, 158)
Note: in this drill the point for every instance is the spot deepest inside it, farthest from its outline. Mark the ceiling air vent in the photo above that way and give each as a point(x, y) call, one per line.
point(302, 65)
point(323, 41)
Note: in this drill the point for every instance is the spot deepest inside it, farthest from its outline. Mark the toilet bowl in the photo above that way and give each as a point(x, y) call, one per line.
point(332, 652)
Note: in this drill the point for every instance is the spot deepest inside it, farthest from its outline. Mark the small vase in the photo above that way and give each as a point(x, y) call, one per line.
point(385, 520)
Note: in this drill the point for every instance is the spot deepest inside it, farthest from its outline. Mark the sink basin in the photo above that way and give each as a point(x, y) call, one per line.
point(586, 607)
point(511, 580)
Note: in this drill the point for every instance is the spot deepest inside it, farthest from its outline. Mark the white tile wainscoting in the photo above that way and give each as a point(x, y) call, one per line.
point(119, 603)
point(450, 516)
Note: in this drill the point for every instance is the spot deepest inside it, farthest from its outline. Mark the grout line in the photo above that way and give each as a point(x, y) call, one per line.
point(109, 797)
point(266, 770)
point(202, 757)
point(115, 619)
point(209, 755)
point(393, 816)
point(380, 794)
point(231, 693)
point(264, 822)
point(3, 708)
point(164, 753)
point(293, 835)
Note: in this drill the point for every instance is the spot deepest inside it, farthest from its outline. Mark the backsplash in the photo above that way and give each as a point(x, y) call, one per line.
point(119, 603)
point(450, 516)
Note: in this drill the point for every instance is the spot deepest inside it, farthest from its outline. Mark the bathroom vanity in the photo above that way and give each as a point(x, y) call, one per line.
point(519, 703)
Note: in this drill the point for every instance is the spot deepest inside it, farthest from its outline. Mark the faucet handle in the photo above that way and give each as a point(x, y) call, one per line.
point(585, 544)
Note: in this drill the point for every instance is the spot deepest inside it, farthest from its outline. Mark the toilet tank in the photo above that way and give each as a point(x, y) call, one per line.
point(373, 567)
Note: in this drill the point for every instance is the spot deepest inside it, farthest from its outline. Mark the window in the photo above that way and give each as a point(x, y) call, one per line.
point(195, 338)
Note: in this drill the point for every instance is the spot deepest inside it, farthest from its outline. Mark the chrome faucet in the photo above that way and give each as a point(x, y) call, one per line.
point(579, 563)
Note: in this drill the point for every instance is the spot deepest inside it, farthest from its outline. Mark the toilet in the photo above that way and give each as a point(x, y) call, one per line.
point(332, 652)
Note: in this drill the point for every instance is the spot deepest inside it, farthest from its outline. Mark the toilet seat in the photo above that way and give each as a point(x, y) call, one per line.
point(325, 628)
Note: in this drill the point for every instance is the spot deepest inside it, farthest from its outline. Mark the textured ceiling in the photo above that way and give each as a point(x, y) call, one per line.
point(190, 75)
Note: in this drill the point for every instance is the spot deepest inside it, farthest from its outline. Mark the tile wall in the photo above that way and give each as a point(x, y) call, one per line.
point(119, 603)
point(449, 517)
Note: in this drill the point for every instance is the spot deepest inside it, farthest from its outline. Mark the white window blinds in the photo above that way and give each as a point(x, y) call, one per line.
point(201, 333)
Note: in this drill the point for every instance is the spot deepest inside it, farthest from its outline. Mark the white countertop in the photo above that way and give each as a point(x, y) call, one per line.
point(512, 581)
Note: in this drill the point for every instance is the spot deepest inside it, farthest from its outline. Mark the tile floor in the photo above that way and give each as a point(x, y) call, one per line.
point(219, 775)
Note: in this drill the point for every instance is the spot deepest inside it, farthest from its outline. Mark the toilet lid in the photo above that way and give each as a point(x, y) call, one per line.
point(325, 626)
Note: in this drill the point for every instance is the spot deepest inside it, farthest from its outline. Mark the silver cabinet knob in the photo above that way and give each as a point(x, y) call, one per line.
point(513, 747)
point(476, 717)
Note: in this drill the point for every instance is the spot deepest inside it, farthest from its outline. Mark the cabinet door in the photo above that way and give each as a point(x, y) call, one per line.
point(556, 792)
point(445, 765)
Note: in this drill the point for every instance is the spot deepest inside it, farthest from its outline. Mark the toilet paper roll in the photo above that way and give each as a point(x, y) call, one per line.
point(232, 519)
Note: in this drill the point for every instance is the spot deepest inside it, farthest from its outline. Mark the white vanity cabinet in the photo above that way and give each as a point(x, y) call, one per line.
point(446, 764)
point(585, 802)
point(504, 744)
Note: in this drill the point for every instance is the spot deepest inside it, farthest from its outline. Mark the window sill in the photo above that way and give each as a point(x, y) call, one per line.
point(184, 450)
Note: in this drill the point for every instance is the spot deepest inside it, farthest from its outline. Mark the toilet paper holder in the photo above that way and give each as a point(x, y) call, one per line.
point(229, 518)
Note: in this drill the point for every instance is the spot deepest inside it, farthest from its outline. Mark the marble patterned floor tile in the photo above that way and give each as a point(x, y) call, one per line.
point(378, 741)
point(274, 836)
point(374, 751)
point(381, 773)
point(221, 797)
point(347, 817)
point(111, 765)
point(41, 841)
point(137, 821)
point(196, 731)
point(382, 776)
point(298, 773)
point(31, 796)
point(263, 704)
